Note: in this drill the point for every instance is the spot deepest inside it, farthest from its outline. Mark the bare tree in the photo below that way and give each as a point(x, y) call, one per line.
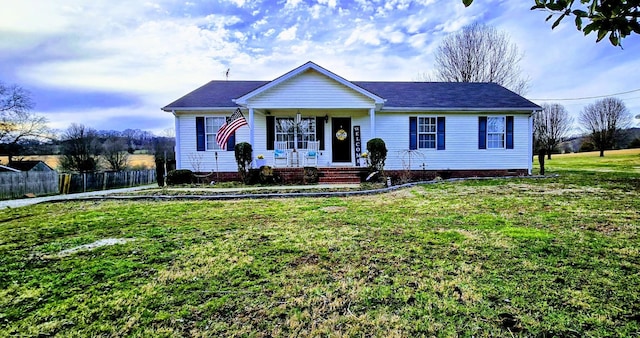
point(480, 53)
point(114, 152)
point(604, 120)
point(17, 122)
point(14, 99)
point(550, 126)
point(80, 149)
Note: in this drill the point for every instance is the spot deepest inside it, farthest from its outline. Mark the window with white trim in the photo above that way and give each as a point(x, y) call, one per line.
point(211, 127)
point(286, 131)
point(496, 132)
point(427, 128)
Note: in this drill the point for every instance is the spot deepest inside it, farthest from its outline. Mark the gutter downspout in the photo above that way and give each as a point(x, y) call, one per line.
point(530, 142)
point(177, 134)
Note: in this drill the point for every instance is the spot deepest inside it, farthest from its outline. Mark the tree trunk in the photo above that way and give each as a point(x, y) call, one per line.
point(541, 154)
point(602, 152)
point(549, 154)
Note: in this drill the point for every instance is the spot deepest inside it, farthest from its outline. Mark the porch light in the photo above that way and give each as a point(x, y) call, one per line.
point(326, 118)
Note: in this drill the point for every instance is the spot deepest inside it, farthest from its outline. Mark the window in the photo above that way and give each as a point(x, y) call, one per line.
point(495, 132)
point(212, 125)
point(427, 132)
point(286, 131)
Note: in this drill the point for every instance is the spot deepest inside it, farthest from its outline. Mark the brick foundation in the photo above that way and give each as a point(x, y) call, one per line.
point(336, 175)
point(426, 175)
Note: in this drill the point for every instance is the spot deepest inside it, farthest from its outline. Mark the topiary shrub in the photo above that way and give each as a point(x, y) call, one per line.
point(181, 176)
point(377, 154)
point(243, 152)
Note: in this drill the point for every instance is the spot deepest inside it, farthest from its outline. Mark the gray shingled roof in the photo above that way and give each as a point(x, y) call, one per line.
point(436, 95)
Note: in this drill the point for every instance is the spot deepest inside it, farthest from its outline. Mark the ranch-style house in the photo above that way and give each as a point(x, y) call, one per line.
point(311, 116)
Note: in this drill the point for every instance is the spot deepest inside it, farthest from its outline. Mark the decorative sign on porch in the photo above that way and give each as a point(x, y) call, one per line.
point(357, 144)
point(341, 135)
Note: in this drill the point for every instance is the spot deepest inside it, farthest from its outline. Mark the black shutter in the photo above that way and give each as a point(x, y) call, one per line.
point(509, 132)
point(482, 132)
point(271, 132)
point(320, 131)
point(413, 133)
point(231, 142)
point(200, 138)
point(440, 133)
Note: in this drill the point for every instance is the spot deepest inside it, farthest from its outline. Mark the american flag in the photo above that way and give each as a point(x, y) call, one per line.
point(235, 121)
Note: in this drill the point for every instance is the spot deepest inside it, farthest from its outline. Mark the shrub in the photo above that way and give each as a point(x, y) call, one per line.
point(586, 146)
point(377, 154)
point(243, 152)
point(181, 176)
point(635, 143)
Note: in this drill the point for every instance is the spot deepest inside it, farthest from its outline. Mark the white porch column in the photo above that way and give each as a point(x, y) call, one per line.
point(372, 121)
point(251, 127)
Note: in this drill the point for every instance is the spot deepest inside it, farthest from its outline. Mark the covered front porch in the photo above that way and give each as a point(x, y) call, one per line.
point(296, 138)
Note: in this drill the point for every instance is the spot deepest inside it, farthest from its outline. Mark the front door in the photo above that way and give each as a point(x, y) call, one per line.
point(341, 139)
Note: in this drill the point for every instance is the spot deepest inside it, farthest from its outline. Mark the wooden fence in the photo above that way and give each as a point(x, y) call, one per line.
point(73, 183)
point(16, 185)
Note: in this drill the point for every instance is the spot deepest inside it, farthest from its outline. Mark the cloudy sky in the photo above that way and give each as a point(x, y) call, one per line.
point(114, 64)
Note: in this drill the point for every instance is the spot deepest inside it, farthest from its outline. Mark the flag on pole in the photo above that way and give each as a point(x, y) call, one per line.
point(233, 122)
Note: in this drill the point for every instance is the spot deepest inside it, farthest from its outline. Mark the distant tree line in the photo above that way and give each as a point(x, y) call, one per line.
point(83, 149)
point(605, 125)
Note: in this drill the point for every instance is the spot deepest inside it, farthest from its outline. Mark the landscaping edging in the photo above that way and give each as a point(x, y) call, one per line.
point(290, 195)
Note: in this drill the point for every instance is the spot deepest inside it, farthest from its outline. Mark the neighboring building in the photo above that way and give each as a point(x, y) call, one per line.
point(5, 169)
point(464, 129)
point(30, 166)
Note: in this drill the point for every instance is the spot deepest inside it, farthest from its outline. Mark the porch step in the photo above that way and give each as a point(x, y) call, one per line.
point(340, 175)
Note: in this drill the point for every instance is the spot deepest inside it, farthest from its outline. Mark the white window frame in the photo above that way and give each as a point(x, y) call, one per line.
point(496, 132)
point(285, 130)
point(428, 129)
point(211, 126)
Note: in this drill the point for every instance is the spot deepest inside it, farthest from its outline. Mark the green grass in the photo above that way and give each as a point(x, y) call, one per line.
point(518, 257)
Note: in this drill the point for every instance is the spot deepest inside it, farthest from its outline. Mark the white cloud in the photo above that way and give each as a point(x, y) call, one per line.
point(328, 3)
point(366, 34)
point(292, 3)
point(239, 3)
point(159, 50)
point(288, 34)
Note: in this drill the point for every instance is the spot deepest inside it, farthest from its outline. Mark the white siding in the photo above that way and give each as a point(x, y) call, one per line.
point(311, 90)
point(461, 135)
point(461, 151)
point(188, 154)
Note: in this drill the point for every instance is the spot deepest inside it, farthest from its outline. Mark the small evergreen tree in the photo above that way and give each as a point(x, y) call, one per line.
point(243, 152)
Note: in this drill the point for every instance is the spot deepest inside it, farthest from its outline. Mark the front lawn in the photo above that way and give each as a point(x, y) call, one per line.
point(517, 257)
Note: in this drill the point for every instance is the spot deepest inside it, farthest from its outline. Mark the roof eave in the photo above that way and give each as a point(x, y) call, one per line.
point(458, 109)
point(198, 109)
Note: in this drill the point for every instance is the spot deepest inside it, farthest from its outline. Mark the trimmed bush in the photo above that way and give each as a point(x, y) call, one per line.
point(377, 154)
point(181, 176)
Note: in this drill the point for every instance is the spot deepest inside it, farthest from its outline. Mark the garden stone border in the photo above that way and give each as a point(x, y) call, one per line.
point(289, 195)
